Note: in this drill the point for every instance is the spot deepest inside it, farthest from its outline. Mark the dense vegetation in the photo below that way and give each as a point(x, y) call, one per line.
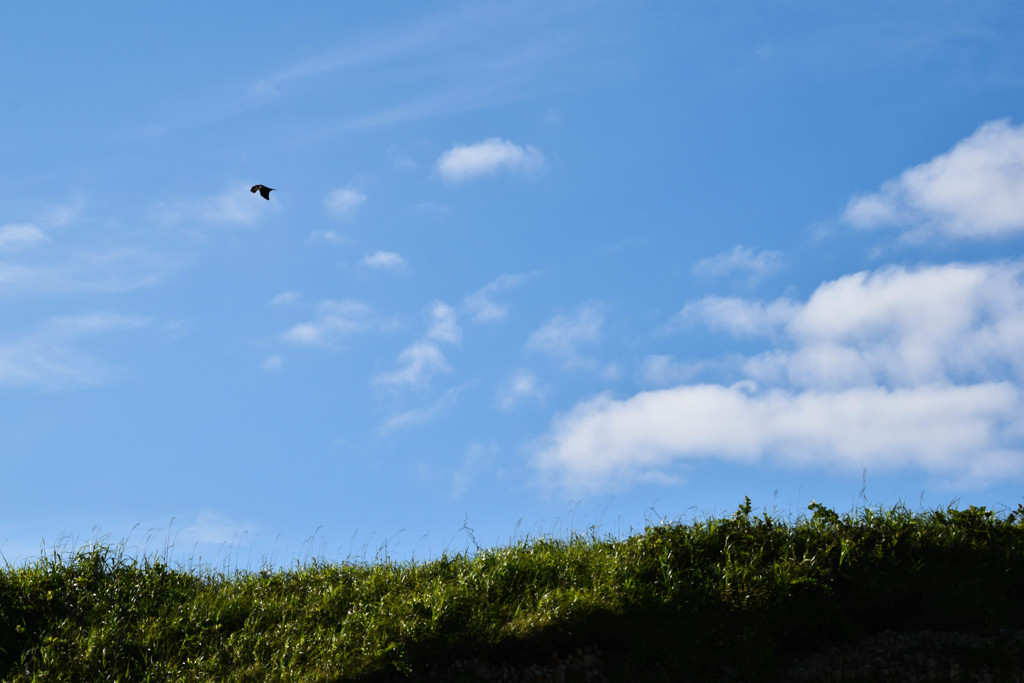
point(748, 590)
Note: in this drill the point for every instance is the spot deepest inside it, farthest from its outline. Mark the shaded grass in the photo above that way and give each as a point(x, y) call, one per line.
point(728, 597)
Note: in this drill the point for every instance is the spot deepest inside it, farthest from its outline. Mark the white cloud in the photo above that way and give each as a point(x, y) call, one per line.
point(48, 358)
point(285, 298)
point(18, 235)
point(114, 269)
point(562, 336)
point(664, 370)
point(895, 326)
point(424, 414)
point(964, 431)
point(756, 265)
point(63, 214)
point(334, 321)
point(343, 202)
point(898, 367)
point(423, 359)
point(735, 315)
point(328, 236)
point(444, 324)
point(272, 363)
point(464, 162)
point(383, 259)
point(481, 305)
point(418, 363)
point(905, 327)
point(523, 385)
point(974, 190)
point(236, 205)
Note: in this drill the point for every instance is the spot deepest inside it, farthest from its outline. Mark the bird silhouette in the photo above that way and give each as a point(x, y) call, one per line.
point(263, 190)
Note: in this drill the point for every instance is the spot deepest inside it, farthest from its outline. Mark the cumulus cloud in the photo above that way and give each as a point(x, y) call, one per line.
point(975, 190)
point(344, 202)
point(904, 327)
point(334, 321)
point(755, 265)
point(383, 259)
point(958, 430)
point(464, 162)
point(898, 367)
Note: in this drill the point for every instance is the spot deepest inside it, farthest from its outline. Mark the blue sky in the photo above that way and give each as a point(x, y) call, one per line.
point(529, 267)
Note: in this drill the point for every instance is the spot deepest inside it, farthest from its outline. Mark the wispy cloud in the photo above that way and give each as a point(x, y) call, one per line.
point(444, 324)
point(426, 46)
point(417, 364)
point(663, 370)
point(523, 385)
point(49, 357)
point(563, 335)
point(234, 206)
point(328, 236)
point(20, 235)
point(464, 162)
point(974, 190)
point(481, 305)
point(735, 315)
point(387, 260)
point(334, 321)
point(423, 414)
point(754, 265)
point(285, 298)
point(344, 202)
point(90, 269)
point(60, 215)
point(423, 359)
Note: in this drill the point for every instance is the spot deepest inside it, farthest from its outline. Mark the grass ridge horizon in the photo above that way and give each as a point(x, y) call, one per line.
point(694, 597)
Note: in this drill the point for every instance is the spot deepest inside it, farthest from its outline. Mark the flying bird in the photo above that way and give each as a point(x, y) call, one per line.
point(263, 190)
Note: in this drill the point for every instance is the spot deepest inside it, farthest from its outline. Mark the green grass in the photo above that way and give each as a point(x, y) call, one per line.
point(746, 590)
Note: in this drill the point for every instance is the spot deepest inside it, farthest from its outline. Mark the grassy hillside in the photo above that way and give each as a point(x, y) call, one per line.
point(736, 595)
